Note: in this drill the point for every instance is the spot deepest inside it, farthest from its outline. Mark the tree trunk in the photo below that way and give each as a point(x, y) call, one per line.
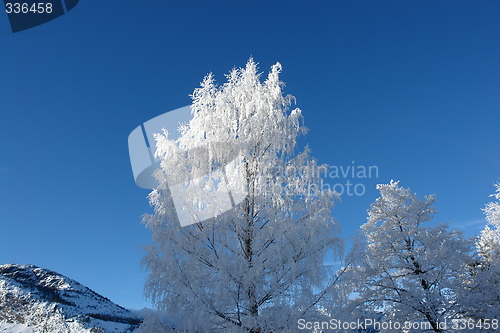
point(251, 291)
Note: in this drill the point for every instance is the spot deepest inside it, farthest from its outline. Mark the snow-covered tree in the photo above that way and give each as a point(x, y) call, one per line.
point(154, 323)
point(410, 271)
point(256, 267)
point(484, 296)
point(492, 209)
point(43, 317)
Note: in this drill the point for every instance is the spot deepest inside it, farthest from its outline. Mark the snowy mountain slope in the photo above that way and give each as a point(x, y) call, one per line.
point(14, 328)
point(47, 301)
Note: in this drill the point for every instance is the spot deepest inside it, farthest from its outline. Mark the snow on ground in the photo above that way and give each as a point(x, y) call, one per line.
point(15, 328)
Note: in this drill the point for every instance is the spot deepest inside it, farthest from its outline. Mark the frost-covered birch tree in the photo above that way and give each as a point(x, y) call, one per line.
point(410, 271)
point(256, 267)
point(484, 298)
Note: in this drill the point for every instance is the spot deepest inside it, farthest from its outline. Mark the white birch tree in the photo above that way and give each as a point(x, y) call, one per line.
point(259, 266)
point(410, 271)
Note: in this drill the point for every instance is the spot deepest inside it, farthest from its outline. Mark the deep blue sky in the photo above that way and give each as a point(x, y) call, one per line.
point(411, 87)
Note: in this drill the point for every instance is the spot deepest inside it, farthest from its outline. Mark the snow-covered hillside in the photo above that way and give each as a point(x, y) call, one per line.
point(45, 301)
point(15, 328)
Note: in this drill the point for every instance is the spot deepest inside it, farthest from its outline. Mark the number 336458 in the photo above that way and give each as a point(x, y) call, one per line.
point(24, 8)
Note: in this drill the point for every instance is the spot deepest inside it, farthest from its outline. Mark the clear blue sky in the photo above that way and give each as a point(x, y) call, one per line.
point(410, 87)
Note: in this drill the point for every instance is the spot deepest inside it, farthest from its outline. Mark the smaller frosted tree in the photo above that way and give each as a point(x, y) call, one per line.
point(484, 298)
point(404, 268)
point(492, 209)
point(489, 242)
